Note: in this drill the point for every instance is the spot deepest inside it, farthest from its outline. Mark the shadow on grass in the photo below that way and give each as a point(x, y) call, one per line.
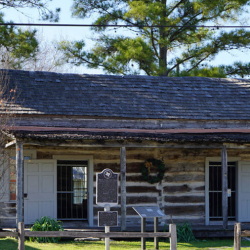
point(210, 243)
point(12, 244)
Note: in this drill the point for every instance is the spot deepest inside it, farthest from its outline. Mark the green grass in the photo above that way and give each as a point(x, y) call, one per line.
point(11, 244)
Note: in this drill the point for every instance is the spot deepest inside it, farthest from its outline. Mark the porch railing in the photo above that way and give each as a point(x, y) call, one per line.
point(22, 233)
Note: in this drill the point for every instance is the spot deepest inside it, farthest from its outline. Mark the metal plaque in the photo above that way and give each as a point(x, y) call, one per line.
point(107, 188)
point(149, 212)
point(108, 218)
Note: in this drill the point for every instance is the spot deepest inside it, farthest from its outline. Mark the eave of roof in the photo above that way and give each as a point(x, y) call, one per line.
point(119, 136)
point(127, 130)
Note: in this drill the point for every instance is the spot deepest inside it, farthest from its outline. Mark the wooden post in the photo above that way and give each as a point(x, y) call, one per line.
point(224, 186)
point(21, 236)
point(123, 188)
point(156, 239)
point(237, 236)
point(143, 230)
point(173, 237)
point(19, 183)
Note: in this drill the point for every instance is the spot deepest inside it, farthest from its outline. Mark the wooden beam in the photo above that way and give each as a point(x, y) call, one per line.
point(10, 144)
point(95, 234)
point(224, 172)
point(131, 130)
point(237, 145)
point(8, 234)
point(119, 122)
point(121, 143)
point(123, 188)
point(245, 233)
point(19, 183)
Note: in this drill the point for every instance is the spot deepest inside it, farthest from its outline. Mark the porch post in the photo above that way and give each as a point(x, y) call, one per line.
point(224, 186)
point(123, 187)
point(19, 183)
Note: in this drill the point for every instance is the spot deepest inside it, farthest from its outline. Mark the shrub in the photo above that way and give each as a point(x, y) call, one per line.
point(184, 232)
point(45, 223)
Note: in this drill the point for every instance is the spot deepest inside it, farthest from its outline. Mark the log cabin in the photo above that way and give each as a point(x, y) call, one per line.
point(65, 128)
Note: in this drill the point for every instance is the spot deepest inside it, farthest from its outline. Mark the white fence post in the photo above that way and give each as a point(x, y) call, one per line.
point(173, 237)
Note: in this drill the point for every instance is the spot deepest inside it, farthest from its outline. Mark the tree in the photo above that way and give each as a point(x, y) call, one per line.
point(161, 38)
point(41, 5)
point(47, 58)
point(18, 45)
point(7, 99)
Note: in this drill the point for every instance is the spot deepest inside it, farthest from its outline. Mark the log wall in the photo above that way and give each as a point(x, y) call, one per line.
point(181, 194)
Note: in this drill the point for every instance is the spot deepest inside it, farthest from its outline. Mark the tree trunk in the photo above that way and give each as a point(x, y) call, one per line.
point(162, 47)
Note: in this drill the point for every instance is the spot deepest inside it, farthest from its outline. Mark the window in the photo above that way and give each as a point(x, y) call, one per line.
point(28, 155)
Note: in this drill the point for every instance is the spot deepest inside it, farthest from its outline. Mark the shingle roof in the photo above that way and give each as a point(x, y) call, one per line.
point(130, 96)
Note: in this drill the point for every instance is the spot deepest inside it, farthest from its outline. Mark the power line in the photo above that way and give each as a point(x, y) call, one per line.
point(125, 26)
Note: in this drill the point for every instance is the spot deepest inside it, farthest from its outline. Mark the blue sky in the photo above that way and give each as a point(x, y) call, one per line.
point(77, 33)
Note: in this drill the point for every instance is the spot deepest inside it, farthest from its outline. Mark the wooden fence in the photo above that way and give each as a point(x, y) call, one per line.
point(22, 233)
point(238, 234)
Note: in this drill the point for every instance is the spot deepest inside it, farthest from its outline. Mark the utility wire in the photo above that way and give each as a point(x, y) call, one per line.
point(123, 25)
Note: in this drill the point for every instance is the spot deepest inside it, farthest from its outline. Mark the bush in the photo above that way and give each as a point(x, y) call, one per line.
point(45, 223)
point(185, 233)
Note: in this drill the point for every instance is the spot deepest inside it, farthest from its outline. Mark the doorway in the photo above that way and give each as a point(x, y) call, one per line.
point(72, 190)
point(215, 191)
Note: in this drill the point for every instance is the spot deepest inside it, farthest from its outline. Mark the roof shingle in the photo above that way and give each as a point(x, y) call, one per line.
point(130, 96)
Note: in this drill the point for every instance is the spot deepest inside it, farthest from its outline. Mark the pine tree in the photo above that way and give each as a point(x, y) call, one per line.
point(162, 37)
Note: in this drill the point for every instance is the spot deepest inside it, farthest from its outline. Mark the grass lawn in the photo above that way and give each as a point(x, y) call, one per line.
point(11, 244)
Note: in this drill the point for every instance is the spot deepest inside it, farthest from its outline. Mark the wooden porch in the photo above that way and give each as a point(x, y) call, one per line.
point(224, 229)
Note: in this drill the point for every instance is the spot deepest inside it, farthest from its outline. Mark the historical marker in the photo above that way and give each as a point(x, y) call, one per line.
point(107, 196)
point(149, 212)
point(107, 188)
point(108, 218)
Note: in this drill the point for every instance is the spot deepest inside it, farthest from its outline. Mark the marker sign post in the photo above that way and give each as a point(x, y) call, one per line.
point(107, 196)
point(149, 212)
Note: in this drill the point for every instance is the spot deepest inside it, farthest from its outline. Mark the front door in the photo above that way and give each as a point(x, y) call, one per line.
point(215, 191)
point(39, 189)
point(244, 192)
point(72, 190)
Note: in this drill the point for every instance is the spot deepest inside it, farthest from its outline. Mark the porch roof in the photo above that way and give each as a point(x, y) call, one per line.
point(121, 136)
point(138, 97)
